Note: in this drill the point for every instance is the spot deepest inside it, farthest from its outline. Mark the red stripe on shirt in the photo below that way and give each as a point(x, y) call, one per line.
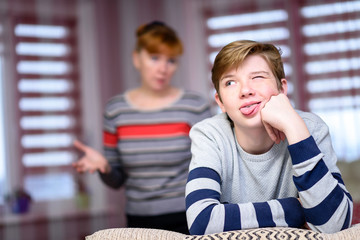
point(110, 139)
point(153, 131)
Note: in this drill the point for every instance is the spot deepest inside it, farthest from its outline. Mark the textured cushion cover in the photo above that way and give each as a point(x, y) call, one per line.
point(281, 233)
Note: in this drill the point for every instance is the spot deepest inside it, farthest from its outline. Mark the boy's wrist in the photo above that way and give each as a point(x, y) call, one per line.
point(296, 131)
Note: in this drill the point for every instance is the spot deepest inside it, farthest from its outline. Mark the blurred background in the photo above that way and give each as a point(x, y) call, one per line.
point(60, 60)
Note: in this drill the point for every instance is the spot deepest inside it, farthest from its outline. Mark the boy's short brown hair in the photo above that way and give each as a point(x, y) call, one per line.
point(233, 54)
point(157, 37)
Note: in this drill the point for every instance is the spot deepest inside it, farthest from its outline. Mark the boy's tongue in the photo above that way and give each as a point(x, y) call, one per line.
point(248, 109)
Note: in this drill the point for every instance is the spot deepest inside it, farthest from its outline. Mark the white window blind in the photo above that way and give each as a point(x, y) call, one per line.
point(49, 107)
point(331, 46)
point(265, 25)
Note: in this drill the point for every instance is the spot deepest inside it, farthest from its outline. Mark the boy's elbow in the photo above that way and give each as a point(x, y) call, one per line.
point(338, 222)
point(195, 229)
point(197, 226)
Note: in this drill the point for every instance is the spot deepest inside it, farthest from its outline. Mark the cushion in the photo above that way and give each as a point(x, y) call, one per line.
point(276, 233)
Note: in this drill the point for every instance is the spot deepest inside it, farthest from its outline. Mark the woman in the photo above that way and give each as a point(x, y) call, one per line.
point(146, 142)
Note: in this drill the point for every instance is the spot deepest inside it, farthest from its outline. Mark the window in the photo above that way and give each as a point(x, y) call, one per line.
point(267, 25)
point(46, 74)
point(332, 66)
point(323, 42)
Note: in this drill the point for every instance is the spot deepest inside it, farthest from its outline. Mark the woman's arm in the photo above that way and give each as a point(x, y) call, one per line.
point(116, 175)
point(115, 178)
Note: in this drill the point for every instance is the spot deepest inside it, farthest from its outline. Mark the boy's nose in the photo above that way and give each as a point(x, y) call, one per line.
point(246, 90)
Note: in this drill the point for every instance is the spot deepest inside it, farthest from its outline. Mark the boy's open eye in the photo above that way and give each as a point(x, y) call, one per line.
point(229, 82)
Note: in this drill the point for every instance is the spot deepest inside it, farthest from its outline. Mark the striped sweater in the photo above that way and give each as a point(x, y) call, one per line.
point(149, 152)
point(230, 189)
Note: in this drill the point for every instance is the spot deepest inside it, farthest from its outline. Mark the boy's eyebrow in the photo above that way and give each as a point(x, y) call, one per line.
point(227, 76)
point(260, 72)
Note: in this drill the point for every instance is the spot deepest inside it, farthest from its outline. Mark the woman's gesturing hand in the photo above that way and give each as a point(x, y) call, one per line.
point(91, 161)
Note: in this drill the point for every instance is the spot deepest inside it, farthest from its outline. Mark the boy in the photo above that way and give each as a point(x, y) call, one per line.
point(261, 163)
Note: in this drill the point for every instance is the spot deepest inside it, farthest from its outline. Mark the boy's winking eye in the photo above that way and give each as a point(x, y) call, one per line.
point(260, 74)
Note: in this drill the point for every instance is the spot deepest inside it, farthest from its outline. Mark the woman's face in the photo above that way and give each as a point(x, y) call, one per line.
point(156, 70)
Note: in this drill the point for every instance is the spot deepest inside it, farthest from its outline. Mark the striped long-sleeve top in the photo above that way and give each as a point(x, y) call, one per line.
point(230, 189)
point(149, 152)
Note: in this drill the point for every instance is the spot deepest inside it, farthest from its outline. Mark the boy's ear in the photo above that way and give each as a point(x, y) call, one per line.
point(284, 86)
point(219, 102)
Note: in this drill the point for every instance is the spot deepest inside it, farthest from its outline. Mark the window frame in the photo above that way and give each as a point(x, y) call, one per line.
point(16, 170)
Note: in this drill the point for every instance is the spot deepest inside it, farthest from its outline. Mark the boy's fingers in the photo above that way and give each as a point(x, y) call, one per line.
point(282, 136)
point(270, 131)
point(279, 135)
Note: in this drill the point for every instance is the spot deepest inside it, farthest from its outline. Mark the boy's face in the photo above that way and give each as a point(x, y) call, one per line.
point(245, 91)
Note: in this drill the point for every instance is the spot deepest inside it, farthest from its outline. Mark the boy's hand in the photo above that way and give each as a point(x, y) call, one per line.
point(281, 120)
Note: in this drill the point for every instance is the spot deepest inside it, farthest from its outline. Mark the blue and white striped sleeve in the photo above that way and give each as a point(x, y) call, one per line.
point(326, 202)
point(206, 214)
